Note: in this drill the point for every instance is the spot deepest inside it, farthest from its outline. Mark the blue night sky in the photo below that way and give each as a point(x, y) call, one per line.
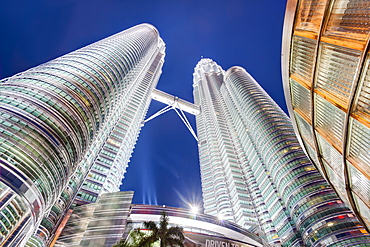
point(164, 168)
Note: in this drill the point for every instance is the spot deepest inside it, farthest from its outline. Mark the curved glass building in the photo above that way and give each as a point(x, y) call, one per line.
point(68, 127)
point(254, 171)
point(112, 217)
point(199, 229)
point(325, 68)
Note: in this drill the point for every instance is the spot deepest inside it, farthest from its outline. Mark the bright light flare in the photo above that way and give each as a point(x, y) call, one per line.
point(220, 217)
point(194, 209)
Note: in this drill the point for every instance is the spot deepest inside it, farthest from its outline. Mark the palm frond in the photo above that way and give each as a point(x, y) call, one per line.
point(176, 231)
point(150, 225)
point(164, 222)
point(147, 241)
point(172, 236)
point(175, 242)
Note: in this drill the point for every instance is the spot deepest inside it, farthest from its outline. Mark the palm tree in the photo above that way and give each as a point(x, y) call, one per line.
point(171, 236)
point(133, 240)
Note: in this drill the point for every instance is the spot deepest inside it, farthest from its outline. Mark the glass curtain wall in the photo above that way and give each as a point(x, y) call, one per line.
point(254, 169)
point(55, 120)
point(325, 73)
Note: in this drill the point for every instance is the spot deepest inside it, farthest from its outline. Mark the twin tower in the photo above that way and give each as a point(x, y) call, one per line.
point(69, 126)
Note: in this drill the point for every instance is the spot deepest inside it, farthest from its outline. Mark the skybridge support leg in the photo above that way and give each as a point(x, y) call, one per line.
point(185, 120)
point(158, 113)
point(176, 104)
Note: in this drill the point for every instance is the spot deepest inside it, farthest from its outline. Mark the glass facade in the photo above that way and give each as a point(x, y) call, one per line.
point(325, 73)
point(200, 230)
point(14, 216)
point(113, 216)
point(68, 128)
point(107, 170)
point(98, 224)
point(254, 171)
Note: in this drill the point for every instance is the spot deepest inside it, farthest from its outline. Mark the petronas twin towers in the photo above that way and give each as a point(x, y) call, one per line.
point(69, 126)
point(254, 171)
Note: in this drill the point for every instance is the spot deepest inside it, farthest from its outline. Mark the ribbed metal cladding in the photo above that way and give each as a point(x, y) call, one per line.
point(213, 136)
point(318, 214)
point(234, 180)
point(53, 113)
point(104, 164)
point(112, 159)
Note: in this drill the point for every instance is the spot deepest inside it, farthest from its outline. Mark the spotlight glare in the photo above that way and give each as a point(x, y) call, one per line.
point(194, 209)
point(220, 216)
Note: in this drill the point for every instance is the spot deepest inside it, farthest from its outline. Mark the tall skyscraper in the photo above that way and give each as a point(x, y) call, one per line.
point(327, 85)
point(66, 125)
point(254, 171)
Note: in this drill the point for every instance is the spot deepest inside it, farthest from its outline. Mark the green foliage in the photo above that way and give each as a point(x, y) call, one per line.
point(122, 243)
point(161, 234)
point(133, 240)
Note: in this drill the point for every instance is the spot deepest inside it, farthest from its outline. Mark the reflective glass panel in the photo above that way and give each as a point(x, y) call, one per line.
point(349, 19)
point(329, 121)
point(363, 100)
point(301, 100)
point(359, 141)
point(302, 59)
point(336, 72)
point(310, 14)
